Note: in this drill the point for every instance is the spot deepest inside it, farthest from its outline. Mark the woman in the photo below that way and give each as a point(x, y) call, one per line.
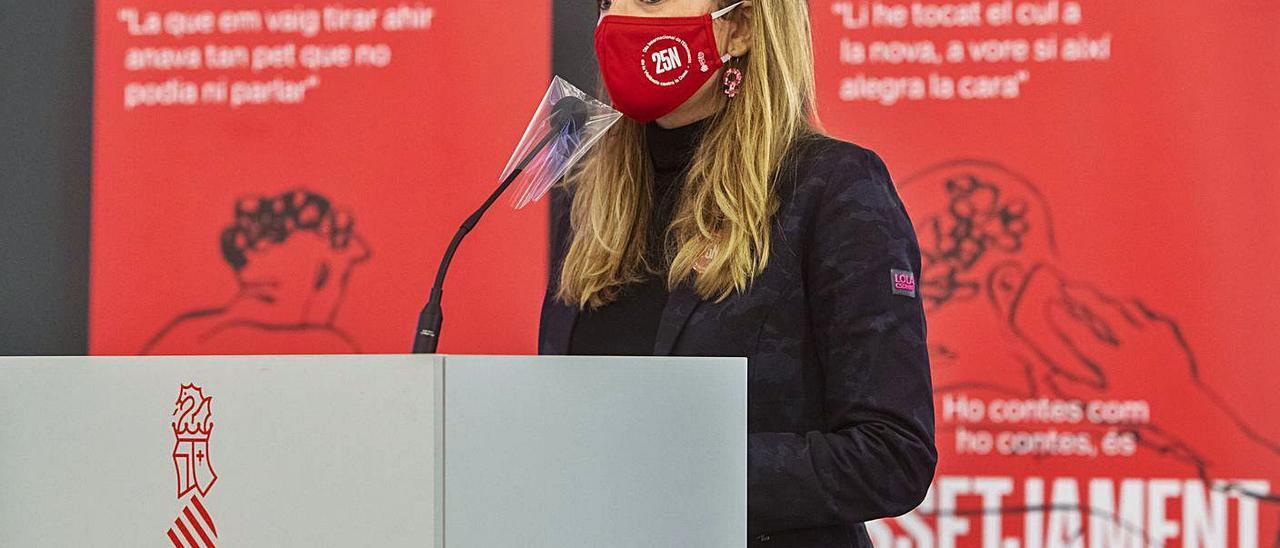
point(717, 221)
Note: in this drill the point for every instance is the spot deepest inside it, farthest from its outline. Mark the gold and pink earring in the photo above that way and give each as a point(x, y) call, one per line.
point(732, 81)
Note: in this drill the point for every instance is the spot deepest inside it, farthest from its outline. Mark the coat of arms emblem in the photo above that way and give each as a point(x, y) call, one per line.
point(192, 424)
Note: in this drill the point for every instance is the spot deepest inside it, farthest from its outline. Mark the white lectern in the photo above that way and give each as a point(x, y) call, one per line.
point(422, 451)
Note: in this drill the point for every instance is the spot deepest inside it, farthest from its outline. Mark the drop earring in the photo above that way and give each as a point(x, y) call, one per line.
point(732, 81)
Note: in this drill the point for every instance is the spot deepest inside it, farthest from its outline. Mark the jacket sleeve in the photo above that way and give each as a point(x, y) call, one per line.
point(875, 456)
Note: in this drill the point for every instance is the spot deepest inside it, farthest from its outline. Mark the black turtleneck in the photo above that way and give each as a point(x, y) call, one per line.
point(628, 325)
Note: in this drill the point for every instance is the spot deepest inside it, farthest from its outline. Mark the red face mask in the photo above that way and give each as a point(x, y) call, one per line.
point(652, 65)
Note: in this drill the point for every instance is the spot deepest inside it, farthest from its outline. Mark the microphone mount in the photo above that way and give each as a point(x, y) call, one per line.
point(569, 113)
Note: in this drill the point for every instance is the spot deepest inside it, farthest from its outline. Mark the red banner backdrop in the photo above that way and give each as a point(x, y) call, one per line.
point(282, 177)
point(1095, 186)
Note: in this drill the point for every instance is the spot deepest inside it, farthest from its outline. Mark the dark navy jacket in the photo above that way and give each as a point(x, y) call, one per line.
point(840, 416)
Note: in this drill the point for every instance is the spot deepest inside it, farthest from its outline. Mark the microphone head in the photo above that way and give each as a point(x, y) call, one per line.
point(570, 112)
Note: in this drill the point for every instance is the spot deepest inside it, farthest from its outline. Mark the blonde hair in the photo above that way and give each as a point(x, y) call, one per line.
point(727, 200)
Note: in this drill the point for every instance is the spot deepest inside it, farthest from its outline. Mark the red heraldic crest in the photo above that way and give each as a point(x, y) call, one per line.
point(192, 424)
point(191, 428)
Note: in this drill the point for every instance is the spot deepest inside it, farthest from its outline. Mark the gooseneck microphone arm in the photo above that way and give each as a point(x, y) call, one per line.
point(570, 113)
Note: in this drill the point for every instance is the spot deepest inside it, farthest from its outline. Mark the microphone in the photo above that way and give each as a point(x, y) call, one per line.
point(568, 116)
point(570, 112)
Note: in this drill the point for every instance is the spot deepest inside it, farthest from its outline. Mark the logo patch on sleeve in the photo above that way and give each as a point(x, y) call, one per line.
point(903, 282)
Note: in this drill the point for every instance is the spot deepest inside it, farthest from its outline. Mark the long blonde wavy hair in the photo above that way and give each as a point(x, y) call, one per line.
point(727, 200)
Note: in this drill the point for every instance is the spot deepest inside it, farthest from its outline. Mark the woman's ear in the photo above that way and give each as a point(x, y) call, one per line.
point(741, 33)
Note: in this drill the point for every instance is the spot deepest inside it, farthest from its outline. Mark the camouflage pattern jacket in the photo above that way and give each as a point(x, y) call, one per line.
point(840, 415)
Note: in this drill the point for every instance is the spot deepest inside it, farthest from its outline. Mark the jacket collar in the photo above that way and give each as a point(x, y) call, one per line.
point(680, 305)
point(559, 319)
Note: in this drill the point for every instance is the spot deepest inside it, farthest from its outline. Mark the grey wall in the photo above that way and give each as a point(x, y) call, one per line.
point(573, 53)
point(46, 84)
point(573, 57)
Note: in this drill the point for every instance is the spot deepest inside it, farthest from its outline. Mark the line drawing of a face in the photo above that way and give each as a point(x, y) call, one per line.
point(292, 255)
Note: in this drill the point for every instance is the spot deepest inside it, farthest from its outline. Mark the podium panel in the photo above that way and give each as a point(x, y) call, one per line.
point(577, 451)
point(300, 451)
point(422, 451)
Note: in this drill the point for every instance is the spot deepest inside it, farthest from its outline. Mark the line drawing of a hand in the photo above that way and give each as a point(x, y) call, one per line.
point(1087, 344)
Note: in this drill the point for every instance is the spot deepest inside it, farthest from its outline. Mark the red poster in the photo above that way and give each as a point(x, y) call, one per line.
point(282, 177)
point(1092, 183)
